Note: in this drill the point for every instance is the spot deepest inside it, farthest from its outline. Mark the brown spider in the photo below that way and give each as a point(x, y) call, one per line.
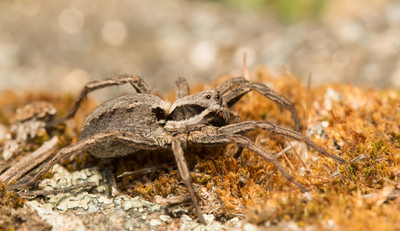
point(132, 123)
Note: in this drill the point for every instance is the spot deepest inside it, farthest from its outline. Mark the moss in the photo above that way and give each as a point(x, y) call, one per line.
point(10, 199)
point(361, 123)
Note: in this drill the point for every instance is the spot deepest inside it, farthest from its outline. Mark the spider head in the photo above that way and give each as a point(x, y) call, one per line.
point(192, 105)
point(209, 98)
point(197, 110)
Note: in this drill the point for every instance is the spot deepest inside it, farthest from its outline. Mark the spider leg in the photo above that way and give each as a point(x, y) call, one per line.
point(247, 126)
point(137, 141)
point(245, 142)
point(232, 95)
point(135, 81)
point(184, 173)
point(182, 88)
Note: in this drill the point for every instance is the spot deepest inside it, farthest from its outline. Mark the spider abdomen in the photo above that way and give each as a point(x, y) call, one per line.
point(140, 114)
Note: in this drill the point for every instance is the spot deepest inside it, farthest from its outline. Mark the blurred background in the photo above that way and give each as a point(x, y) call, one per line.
point(60, 45)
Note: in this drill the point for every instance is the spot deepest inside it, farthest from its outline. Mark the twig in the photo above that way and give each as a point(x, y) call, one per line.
point(30, 161)
point(308, 103)
point(142, 171)
point(56, 191)
point(246, 74)
point(337, 172)
point(279, 154)
point(3, 166)
point(287, 159)
point(302, 162)
point(358, 158)
point(112, 182)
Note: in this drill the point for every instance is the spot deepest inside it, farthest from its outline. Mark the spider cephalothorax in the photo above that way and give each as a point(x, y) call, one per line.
point(132, 123)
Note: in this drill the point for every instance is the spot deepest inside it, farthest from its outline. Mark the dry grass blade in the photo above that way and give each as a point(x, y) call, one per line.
point(56, 191)
point(30, 161)
point(287, 159)
point(142, 171)
point(298, 156)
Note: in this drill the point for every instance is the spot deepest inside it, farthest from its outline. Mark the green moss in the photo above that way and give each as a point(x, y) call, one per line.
point(370, 171)
point(352, 171)
point(10, 199)
point(202, 180)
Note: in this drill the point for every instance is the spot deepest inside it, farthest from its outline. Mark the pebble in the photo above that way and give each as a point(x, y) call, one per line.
point(155, 222)
point(165, 218)
point(209, 217)
point(185, 218)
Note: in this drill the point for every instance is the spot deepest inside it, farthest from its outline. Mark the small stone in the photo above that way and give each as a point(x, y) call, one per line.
point(331, 224)
point(331, 96)
point(185, 218)
point(234, 222)
point(155, 222)
point(209, 217)
point(10, 147)
point(324, 123)
point(165, 218)
point(307, 197)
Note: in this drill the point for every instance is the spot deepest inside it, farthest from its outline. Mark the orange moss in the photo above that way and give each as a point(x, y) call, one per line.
point(358, 123)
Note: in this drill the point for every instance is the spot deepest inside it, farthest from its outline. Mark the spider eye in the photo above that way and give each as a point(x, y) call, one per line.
point(208, 96)
point(217, 96)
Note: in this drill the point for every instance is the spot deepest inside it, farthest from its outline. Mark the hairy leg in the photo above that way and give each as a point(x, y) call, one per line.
point(185, 175)
point(245, 142)
point(231, 95)
point(144, 143)
point(247, 126)
point(135, 81)
point(182, 88)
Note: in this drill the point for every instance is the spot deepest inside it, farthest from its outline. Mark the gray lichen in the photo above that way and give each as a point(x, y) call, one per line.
point(67, 210)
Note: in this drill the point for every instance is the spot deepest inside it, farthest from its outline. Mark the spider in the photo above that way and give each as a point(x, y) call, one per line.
point(132, 123)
